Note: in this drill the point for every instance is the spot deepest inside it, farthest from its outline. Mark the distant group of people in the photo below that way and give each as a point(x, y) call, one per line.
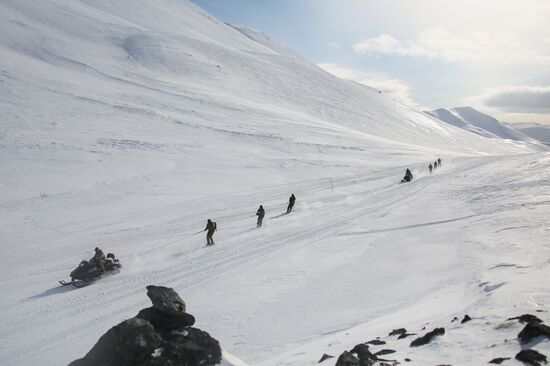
point(211, 226)
point(408, 175)
point(436, 164)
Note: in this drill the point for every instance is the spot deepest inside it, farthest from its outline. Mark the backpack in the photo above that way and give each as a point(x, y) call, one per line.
point(214, 226)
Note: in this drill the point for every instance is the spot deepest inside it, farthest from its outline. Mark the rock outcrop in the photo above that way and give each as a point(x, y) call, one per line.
point(531, 357)
point(158, 335)
point(347, 359)
point(499, 360)
point(527, 318)
point(325, 357)
point(466, 319)
point(427, 338)
point(398, 332)
point(533, 330)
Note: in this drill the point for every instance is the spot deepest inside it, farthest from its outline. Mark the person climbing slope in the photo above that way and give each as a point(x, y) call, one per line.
point(211, 227)
point(260, 213)
point(291, 202)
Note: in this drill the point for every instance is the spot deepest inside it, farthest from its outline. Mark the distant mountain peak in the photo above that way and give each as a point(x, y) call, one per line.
point(472, 120)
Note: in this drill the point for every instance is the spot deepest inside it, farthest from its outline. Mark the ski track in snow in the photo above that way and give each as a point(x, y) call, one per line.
point(241, 252)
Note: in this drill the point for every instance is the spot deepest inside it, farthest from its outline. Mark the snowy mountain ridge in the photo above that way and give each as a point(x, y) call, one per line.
point(536, 131)
point(479, 123)
point(127, 124)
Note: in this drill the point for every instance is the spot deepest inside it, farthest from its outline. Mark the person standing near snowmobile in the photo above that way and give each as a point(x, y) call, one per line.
point(99, 260)
point(211, 227)
point(430, 167)
point(291, 202)
point(260, 213)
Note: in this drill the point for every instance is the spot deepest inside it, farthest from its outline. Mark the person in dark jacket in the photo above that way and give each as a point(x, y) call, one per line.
point(435, 164)
point(439, 162)
point(408, 176)
point(430, 167)
point(260, 213)
point(211, 227)
point(99, 259)
point(291, 202)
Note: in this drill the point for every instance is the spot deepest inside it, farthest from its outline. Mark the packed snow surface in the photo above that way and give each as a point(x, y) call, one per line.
point(126, 124)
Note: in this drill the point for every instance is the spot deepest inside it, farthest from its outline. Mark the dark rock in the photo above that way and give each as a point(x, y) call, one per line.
point(366, 357)
point(376, 342)
point(403, 336)
point(408, 360)
point(531, 356)
point(166, 322)
point(533, 330)
point(347, 359)
point(129, 342)
point(526, 318)
point(325, 357)
point(398, 331)
point(384, 352)
point(454, 319)
point(499, 360)
point(166, 300)
point(427, 338)
point(465, 319)
point(156, 338)
point(196, 347)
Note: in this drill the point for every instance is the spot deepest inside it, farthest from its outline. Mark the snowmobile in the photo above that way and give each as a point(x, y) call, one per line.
point(408, 177)
point(88, 272)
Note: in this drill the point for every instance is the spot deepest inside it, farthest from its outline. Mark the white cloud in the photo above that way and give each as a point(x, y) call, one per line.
point(518, 99)
point(389, 45)
point(438, 42)
point(394, 87)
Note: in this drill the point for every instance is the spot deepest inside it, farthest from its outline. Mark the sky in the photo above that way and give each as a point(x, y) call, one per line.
point(493, 55)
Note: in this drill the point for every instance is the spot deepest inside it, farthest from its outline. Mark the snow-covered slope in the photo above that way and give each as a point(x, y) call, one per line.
point(477, 122)
point(126, 124)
